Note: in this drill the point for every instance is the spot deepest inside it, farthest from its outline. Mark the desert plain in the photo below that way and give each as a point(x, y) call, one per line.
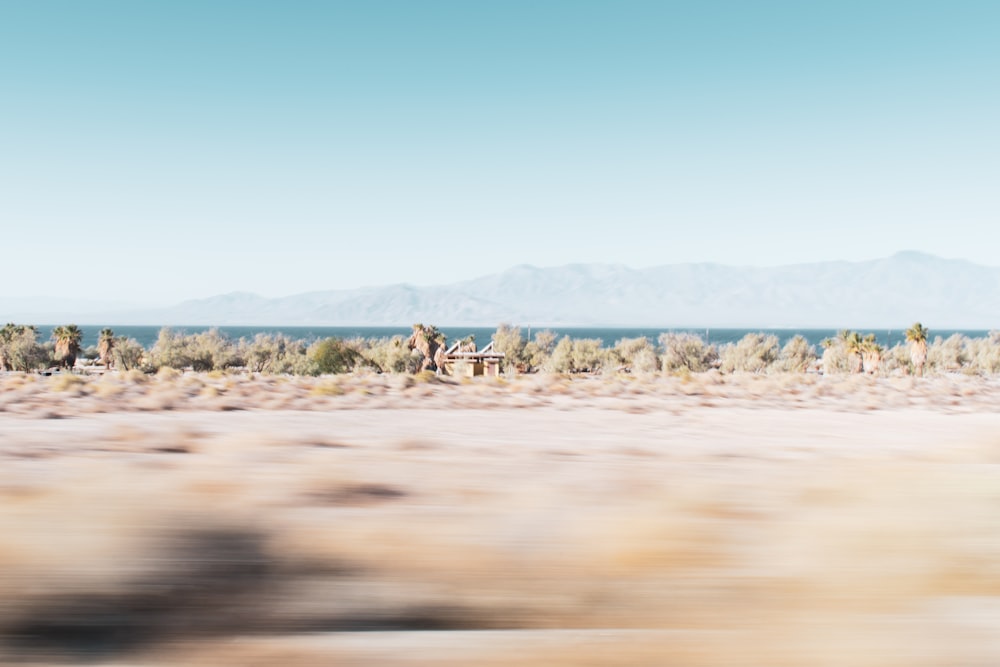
point(212, 519)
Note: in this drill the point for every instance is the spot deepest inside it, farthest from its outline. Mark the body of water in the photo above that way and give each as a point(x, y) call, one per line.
point(146, 335)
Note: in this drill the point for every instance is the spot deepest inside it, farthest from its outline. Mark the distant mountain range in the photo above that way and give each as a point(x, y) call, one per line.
point(884, 293)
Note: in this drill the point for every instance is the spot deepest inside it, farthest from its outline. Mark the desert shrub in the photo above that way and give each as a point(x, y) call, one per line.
point(561, 358)
point(579, 355)
point(947, 355)
point(835, 356)
point(361, 361)
point(214, 351)
point(293, 358)
point(68, 382)
point(636, 355)
point(171, 349)
point(264, 353)
point(127, 354)
point(754, 353)
point(334, 355)
point(425, 376)
point(168, 374)
point(206, 351)
point(389, 355)
point(20, 349)
point(896, 360)
point(508, 340)
point(683, 351)
point(984, 354)
point(587, 355)
point(298, 362)
point(328, 388)
point(796, 356)
point(538, 351)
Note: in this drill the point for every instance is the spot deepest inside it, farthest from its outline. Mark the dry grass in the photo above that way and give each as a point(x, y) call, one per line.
point(73, 395)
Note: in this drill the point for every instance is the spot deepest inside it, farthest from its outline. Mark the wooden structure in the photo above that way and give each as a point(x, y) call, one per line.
point(476, 362)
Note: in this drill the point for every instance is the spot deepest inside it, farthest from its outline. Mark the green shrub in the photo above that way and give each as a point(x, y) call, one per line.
point(334, 355)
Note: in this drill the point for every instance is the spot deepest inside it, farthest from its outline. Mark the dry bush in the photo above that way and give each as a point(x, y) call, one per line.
point(508, 340)
point(390, 355)
point(984, 354)
point(561, 359)
point(68, 382)
point(127, 354)
point(538, 351)
point(331, 387)
point(275, 354)
point(836, 359)
point(168, 374)
point(948, 355)
point(685, 351)
point(634, 355)
point(797, 356)
point(587, 355)
point(754, 353)
point(20, 349)
point(206, 351)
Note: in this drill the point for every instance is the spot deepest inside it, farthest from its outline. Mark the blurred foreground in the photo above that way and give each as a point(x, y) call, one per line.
point(569, 534)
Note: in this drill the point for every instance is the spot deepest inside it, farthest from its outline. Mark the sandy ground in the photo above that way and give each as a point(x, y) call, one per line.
point(625, 522)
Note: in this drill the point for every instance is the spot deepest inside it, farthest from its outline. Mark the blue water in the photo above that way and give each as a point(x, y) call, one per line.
point(146, 335)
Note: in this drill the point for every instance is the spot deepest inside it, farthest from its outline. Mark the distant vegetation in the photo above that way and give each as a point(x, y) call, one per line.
point(671, 354)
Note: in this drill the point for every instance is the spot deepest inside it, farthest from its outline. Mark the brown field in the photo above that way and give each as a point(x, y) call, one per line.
point(217, 519)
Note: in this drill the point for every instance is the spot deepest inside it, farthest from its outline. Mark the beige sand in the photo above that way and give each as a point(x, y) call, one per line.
point(537, 521)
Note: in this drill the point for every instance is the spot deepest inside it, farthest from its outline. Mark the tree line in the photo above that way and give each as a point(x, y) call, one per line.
point(545, 352)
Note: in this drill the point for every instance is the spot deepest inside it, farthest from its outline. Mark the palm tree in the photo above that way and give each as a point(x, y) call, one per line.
point(853, 345)
point(67, 340)
point(105, 344)
point(871, 354)
point(917, 336)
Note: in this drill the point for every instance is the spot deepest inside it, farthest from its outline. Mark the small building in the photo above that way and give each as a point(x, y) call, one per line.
point(486, 361)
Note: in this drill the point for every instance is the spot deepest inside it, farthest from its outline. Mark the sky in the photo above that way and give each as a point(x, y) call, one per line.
point(157, 151)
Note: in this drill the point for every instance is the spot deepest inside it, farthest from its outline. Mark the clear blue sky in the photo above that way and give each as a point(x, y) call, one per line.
point(167, 150)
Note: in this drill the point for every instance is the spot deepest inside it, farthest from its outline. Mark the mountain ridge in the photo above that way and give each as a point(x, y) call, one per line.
point(891, 291)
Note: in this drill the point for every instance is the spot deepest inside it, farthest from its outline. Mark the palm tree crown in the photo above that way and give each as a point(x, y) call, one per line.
point(917, 336)
point(67, 338)
point(105, 344)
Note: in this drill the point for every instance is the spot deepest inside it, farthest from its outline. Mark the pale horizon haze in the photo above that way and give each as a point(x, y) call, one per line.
point(156, 152)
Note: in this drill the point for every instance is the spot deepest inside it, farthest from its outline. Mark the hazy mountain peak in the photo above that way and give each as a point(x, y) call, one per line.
point(892, 292)
point(916, 256)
